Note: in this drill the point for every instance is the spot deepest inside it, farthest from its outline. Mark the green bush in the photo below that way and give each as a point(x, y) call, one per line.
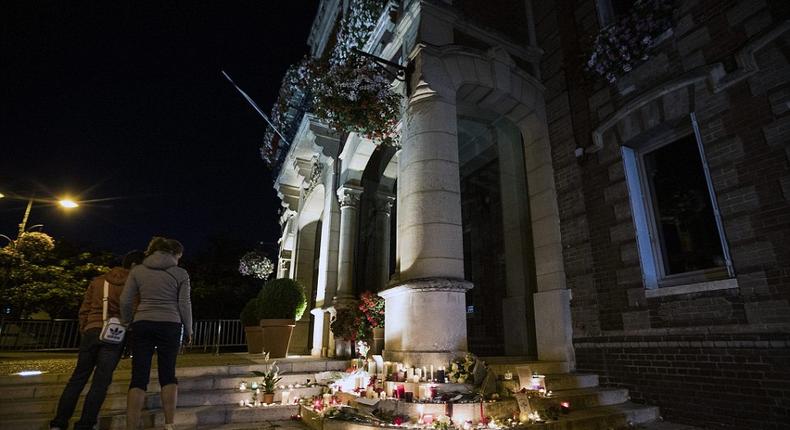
point(281, 299)
point(249, 315)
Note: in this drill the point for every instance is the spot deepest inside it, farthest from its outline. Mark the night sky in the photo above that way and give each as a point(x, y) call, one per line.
point(123, 102)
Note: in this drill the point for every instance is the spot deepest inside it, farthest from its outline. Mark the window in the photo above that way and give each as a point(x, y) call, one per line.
point(679, 233)
point(610, 10)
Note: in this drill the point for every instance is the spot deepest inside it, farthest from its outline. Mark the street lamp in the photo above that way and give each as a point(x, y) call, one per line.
point(65, 203)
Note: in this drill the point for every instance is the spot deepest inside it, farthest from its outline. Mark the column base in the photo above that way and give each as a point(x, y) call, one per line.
point(425, 321)
point(554, 332)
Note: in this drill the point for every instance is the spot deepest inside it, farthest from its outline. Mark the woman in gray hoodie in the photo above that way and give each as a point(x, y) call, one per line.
point(163, 313)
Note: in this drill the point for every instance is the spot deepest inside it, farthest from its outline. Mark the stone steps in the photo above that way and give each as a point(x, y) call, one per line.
point(584, 398)
point(121, 386)
point(117, 401)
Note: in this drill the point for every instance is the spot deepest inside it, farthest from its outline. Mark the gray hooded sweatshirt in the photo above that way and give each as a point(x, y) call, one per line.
point(163, 289)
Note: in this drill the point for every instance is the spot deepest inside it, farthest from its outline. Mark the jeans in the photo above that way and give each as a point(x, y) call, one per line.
point(147, 337)
point(97, 358)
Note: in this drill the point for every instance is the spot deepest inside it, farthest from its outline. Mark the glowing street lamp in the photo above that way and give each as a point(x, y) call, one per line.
point(64, 203)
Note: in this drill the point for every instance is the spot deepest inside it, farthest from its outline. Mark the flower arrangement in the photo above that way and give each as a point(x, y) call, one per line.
point(344, 325)
point(372, 308)
point(461, 369)
point(256, 265)
point(619, 47)
point(443, 423)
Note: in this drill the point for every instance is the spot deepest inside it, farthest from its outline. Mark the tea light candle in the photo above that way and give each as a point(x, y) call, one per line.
point(427, 419)
point(254, 385)
point(242, 386)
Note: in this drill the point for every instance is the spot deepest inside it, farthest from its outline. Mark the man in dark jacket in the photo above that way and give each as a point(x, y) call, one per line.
point(95, 354)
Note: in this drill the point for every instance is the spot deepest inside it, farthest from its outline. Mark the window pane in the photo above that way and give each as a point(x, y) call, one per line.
point(682, 206)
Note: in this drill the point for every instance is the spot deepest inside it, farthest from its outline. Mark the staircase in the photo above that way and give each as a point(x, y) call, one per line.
point(591, 406)
point(208, 398)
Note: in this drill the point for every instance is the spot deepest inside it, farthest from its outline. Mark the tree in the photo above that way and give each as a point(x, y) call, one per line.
point(40, 274)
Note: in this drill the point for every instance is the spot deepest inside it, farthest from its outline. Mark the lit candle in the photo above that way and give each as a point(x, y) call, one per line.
point(424, 374)
point(431, 372)
point(242, 386)
point(327, 398)
point(427, 419)
point(286, 396)
point(254, 385)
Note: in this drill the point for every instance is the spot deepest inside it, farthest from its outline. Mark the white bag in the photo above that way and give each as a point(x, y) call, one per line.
point(113, 331)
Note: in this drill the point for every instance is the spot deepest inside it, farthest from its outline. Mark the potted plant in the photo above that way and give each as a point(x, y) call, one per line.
point(252, 327)
point(280, 303)
point(372, 308)
point(271, 376)
point(345, 328)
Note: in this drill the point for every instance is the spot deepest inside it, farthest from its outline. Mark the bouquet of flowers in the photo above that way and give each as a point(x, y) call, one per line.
point(443, 423)
point(461, 369)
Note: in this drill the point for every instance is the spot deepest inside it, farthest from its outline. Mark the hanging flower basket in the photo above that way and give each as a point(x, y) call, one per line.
point(347, 91)
point(623, 45)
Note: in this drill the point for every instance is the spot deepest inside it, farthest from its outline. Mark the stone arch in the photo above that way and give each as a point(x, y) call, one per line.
point(491, 80)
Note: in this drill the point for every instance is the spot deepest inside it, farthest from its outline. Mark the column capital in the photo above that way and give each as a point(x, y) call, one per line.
point(348, 195)
point(384, 202)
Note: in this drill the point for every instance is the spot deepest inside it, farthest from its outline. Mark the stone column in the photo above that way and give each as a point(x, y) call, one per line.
point(348, 197)
point(384, 209)
point(425, 317)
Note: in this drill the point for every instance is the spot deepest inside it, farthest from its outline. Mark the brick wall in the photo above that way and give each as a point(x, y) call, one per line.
point(714, 344)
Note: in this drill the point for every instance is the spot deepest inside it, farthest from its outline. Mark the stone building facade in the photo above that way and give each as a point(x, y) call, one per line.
point(636, 229)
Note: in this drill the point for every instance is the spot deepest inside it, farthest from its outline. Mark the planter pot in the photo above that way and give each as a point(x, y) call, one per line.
point(378, 341)
point(254, 339)
point(268, 398)
point(277, 336)
point(344, 348)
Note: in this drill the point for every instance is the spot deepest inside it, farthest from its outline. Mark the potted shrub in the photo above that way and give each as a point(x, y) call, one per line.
point(372, 308)
point(345, 329)
point(252, 327)
point(280, 303)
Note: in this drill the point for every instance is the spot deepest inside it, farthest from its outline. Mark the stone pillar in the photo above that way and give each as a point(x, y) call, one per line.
point(348, 197)
point(384, 211)
point(318, 330)
point(425, 319)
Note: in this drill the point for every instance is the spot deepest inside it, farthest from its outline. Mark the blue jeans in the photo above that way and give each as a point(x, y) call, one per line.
point(147, 337)
point(97, 358)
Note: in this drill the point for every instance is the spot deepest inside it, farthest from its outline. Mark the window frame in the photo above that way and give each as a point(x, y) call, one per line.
point(649, 243)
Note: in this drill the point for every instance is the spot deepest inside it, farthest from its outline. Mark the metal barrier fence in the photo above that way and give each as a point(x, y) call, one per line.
point(63, 334)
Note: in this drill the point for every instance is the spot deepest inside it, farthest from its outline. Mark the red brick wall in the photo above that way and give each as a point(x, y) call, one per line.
point(618, 331)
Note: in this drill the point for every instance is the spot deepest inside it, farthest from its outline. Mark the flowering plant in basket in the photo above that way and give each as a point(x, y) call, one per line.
point(622, 45)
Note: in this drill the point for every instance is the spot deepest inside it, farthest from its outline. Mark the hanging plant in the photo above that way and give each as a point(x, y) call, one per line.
point(621, 46)
point(346, 90)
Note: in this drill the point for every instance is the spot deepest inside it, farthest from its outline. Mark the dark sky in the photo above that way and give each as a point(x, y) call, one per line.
point(123, 100)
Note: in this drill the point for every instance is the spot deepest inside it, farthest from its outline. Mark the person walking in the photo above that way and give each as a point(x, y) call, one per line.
point(95, 357)
point(164, 313)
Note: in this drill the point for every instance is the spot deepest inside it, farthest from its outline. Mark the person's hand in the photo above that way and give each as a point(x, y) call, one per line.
point(188, 340)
